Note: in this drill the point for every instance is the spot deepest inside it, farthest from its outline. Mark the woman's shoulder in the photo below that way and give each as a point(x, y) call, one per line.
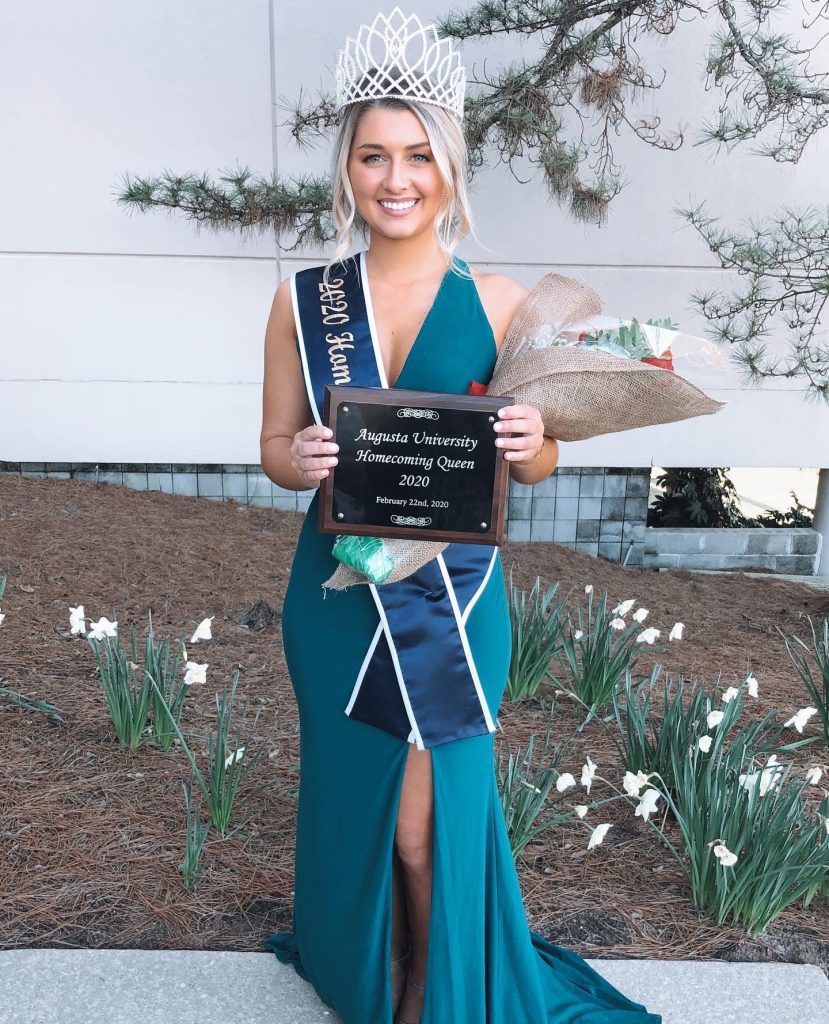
point(501, 296)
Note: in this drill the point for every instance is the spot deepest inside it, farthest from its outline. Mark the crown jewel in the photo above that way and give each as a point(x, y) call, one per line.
point(400, 56)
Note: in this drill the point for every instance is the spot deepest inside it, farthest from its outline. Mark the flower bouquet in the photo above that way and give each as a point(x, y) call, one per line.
point(587, 374)
point(590, 374)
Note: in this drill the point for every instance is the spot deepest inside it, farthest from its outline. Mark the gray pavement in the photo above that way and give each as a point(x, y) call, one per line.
point(79, 986)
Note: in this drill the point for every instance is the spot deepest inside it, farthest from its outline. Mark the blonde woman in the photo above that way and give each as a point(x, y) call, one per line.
point(407, 904)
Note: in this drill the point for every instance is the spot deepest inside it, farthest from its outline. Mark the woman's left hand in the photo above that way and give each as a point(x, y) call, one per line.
point(525, 423)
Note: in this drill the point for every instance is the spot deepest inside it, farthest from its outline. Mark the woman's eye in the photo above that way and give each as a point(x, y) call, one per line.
point(415, 156)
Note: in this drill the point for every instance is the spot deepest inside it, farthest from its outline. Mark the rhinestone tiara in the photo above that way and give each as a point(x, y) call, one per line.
point(400, 56)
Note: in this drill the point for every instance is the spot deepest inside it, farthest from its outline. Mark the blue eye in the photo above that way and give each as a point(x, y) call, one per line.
point(371, 157)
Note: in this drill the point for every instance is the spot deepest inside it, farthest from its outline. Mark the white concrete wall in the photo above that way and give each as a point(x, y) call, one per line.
point(136, 337)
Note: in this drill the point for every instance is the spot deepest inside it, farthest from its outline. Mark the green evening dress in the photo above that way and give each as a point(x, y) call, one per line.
point(484, 965)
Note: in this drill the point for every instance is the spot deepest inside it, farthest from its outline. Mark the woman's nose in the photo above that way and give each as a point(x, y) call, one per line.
point(396, 177)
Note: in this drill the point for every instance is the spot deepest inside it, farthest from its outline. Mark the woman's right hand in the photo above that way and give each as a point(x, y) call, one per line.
point(312, 452)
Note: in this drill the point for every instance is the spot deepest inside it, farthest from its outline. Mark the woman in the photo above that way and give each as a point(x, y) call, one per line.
point(407, 903)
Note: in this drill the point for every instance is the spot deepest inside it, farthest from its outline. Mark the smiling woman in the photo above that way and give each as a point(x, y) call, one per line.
point(407, 901)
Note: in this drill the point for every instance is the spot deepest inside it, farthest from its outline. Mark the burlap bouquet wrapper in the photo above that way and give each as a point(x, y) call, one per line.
point(408, 556)
point(580, 393)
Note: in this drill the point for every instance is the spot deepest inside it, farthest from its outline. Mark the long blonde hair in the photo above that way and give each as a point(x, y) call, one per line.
point(453, 221)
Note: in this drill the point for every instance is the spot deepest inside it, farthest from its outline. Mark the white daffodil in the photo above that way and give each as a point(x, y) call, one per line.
point(202, 631)
point(813, 776)
point(589, 588)
point(640, 614)
point(647, 635)
point(751, 685)
point(714, 718)
point(565, 781)
point(704, 743)
point(724, 855)
point(769, 776)
point(623, 607)
point(580, 809)
point(587, 773)
point(579, 633)
point(631, 783)
point(729, 694)
point(676, 631)
point(76, 620)
point(799, 719)
point(598, 834)
point(618, 623)
point(647, 803)
point(103, 627)
point(234, 757)
point(196, 673)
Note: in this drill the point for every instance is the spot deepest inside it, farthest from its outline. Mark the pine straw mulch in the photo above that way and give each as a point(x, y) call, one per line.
point(91, 835)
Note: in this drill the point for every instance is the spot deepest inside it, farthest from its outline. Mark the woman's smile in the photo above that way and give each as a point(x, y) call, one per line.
point(397, 207)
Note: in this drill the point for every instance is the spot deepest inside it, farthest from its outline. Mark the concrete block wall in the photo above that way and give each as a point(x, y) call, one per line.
point(784, 549)
point(599, 511)
point(246, 484)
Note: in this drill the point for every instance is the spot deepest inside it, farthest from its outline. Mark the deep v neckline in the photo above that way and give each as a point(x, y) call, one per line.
point(375, 337)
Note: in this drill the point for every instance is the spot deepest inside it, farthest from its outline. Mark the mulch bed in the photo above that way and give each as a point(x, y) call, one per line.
point(91, 835)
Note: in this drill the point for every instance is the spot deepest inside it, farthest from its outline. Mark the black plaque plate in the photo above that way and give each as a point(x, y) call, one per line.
point(414, 464)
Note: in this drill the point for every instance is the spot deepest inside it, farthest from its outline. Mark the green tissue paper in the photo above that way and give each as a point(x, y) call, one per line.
point(367, 555)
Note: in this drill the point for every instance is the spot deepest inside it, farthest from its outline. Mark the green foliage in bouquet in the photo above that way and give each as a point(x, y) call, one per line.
point(627, 340)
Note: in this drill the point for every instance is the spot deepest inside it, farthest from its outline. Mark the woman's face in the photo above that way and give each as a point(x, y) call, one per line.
point(396, 183)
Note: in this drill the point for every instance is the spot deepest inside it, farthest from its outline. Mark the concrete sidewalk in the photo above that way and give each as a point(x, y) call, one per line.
point(79, 986)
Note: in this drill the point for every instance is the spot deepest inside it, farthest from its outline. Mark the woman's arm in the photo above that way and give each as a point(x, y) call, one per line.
point(296, 464)
point(536, 454)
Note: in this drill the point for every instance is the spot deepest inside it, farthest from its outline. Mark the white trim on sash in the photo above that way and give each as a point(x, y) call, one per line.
point(404, 693)
point(473, 671)
point(480, 589)
point(372, 326)
point(369, 654)
point(305, 372)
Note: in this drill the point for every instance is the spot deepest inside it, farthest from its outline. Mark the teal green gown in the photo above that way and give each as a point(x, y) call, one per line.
point(484, 964)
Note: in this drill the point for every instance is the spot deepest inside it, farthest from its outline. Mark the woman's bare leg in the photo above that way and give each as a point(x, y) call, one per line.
point(399, 930)
point(413, 839)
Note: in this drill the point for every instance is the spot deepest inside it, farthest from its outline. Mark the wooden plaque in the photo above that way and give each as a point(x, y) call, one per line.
point(421, 465)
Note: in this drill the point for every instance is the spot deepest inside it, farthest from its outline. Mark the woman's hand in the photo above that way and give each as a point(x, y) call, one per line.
point(525, 425)
point(311, 453)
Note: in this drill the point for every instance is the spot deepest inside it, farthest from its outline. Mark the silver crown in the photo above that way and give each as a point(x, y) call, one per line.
point(400, 56)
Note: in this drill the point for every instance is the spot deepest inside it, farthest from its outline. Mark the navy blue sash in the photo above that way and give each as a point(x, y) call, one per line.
point(420, 640)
